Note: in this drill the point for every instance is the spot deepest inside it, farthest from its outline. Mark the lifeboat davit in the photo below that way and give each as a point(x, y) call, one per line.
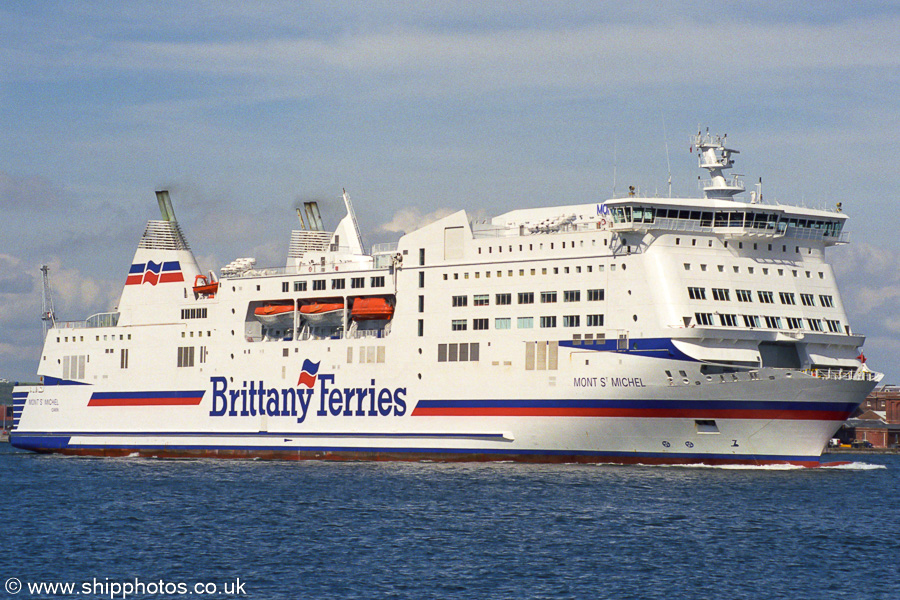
point(280, 314)
point(323, 313)
point(372, 309)
point(206, 286)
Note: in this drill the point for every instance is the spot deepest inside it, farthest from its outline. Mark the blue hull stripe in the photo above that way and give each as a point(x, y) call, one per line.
point(648, 347)
point(644, 404)
point(51, 443)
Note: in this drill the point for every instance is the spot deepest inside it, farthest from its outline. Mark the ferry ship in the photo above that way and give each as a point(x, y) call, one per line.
point(652, 330)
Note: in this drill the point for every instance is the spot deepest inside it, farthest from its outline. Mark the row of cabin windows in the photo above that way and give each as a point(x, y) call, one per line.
point(741, 245)
point(544, 271)
point(505, 299)
point(752, 270)
point(193, 313)
point(336, 284)
point(107, 337)
point(765, 297)
point(540, 246)
point(458, 352)
point(199, 334)
point(526, 322)
point(754, 322)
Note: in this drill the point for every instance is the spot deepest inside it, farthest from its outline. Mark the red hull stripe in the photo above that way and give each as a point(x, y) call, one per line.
point(146, 398)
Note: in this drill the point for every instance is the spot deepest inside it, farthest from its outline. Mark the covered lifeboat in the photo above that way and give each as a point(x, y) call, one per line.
point(372, 309)
point(323, 312)
point(275, 314)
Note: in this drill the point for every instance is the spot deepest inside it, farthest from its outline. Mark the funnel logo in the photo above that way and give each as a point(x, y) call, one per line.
point(309, 373)
point(153, 273)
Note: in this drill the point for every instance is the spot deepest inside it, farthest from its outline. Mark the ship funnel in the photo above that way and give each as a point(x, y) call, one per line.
point(313, 216)
point(165, 205)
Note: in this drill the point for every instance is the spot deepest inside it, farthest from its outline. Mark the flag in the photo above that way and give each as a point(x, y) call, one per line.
point(309, 373)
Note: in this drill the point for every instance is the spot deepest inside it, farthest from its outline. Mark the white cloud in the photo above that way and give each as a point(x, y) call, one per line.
point(414, 60)
point(77, 296)
point(410, 219)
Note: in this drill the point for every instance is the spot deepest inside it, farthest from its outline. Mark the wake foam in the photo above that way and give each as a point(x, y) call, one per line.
point(855, 466)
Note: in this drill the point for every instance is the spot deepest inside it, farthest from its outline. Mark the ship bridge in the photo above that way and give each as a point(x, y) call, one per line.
point(726, 218)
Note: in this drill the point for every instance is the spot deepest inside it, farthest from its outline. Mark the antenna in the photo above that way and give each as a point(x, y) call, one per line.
point(668, 164)
point(48, 316)
point(615, 162)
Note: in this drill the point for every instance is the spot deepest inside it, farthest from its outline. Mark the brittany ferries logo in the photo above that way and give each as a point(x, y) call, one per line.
point(309, 373)
point(153, 273)
point(330, 401)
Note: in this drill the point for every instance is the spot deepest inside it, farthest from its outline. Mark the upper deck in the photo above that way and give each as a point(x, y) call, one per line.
point(727, 218)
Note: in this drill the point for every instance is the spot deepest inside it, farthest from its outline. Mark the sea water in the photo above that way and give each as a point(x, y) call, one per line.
point(144, 528)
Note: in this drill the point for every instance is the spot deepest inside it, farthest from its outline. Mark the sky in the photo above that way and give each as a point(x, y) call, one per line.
point(243, 109)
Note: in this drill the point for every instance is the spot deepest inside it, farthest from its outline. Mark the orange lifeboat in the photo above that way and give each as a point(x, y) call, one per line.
point(372, 309)
point(323, 313)
point(277, 314)
point(204, 286)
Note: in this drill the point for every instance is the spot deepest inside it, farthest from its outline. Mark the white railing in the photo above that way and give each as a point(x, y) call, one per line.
point(806, 233)
point(109, 319)
point(384, 248)
point(734, 183)
point(843, 374)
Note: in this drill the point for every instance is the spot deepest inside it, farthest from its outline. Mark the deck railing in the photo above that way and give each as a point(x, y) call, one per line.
point(843, 374)
point(109, 319)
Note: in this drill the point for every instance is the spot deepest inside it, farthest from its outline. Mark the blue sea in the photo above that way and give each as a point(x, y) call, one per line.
point(142, 528)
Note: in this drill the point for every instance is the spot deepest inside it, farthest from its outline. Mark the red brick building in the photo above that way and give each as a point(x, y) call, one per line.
point(877, 420)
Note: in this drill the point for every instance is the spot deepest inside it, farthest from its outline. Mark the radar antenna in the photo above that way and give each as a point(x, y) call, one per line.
point(715, 157)
point(48, 316)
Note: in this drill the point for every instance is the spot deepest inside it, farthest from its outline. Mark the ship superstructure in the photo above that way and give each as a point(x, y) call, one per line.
point(637, 329)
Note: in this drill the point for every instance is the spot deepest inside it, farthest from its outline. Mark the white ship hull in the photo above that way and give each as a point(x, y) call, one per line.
point(787, 419)
point(639, 330)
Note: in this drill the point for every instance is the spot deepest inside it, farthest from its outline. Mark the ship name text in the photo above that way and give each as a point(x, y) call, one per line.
point(620, 382)
point(256, 399)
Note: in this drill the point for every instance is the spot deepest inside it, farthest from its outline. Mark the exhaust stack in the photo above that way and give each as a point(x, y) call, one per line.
point(165, 205)
point(313, 216)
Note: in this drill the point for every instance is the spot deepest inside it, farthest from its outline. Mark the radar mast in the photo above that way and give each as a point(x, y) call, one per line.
point(715, 157)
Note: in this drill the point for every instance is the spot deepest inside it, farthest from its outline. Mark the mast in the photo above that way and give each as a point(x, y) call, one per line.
point(48, 316)
point(352, 216)
point(715, 157)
